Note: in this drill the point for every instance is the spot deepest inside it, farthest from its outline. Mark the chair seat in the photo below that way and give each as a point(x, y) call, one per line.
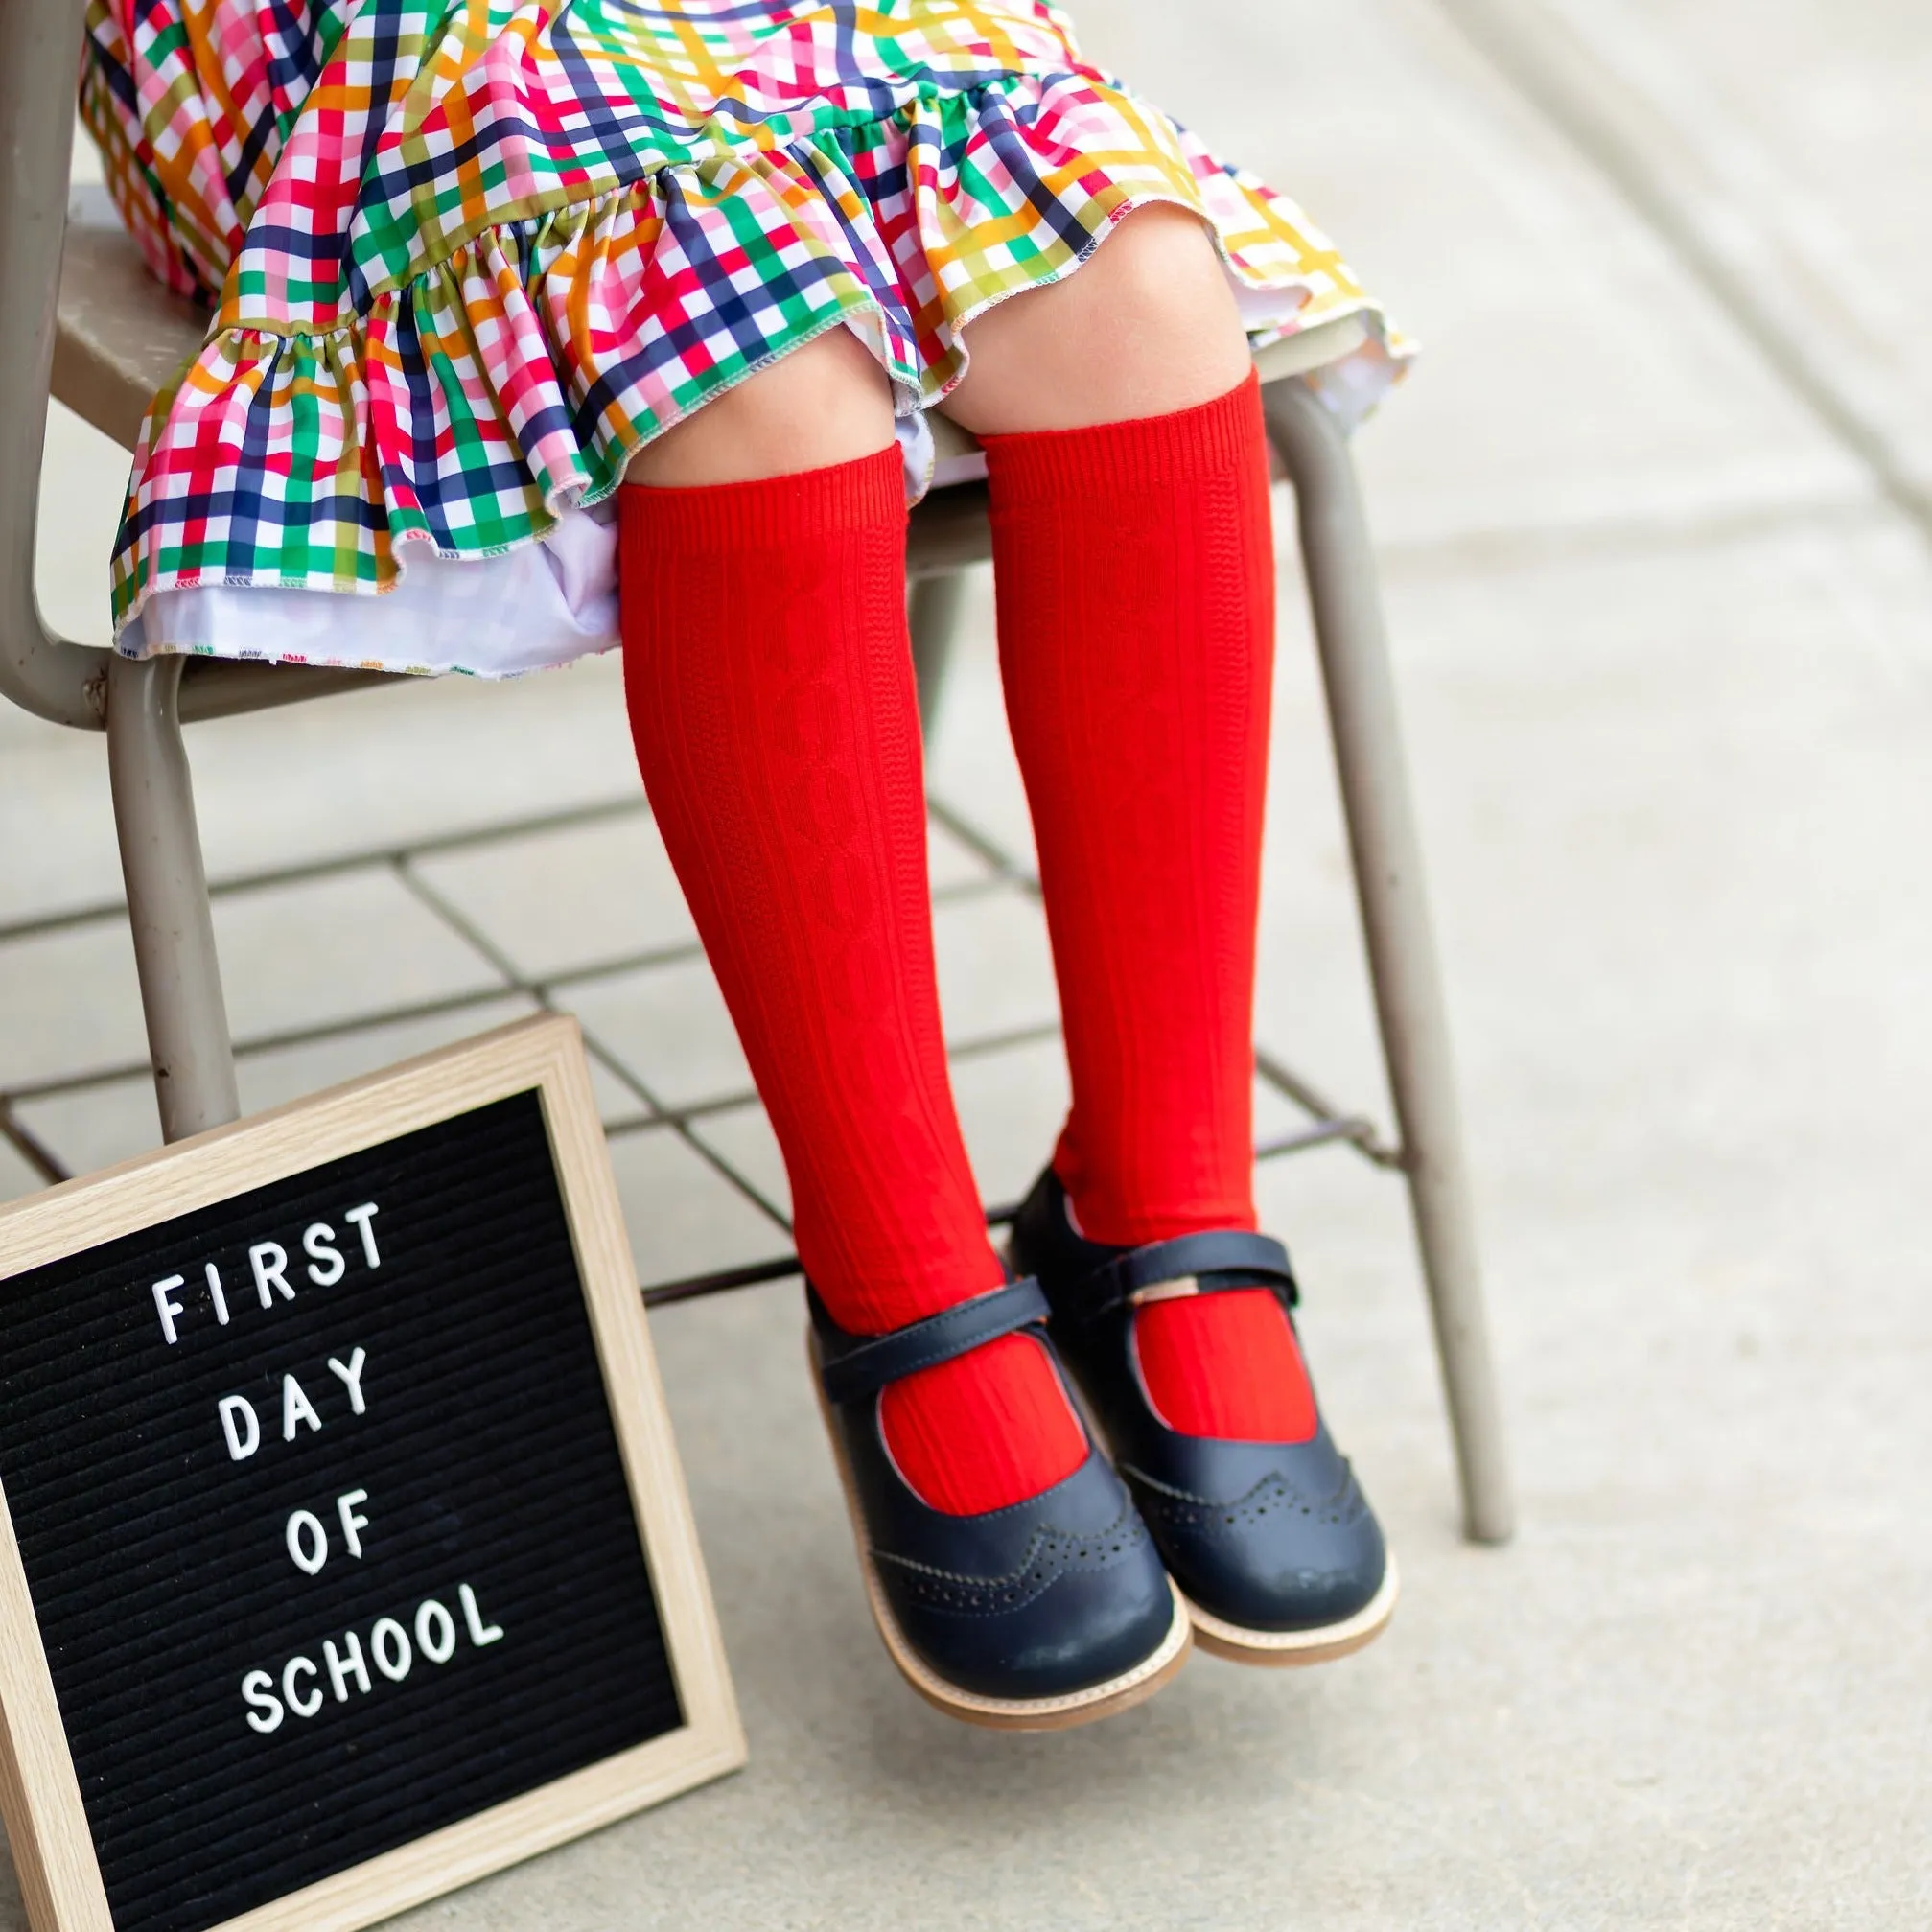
point(122, 338)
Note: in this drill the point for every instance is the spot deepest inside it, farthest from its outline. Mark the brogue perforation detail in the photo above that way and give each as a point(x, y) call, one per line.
point(1053, 1555)
point(1272, 1496)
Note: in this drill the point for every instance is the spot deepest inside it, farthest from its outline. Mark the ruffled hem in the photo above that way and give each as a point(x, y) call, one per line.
point(474, 413)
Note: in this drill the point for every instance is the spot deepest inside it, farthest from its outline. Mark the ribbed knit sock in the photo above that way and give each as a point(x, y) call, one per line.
point(1135, 569)
point(769, 688)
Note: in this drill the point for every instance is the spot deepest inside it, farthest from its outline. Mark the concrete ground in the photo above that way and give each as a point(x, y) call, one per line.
point(1658, 543)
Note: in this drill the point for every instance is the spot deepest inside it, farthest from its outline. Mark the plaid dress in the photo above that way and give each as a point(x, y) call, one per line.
point(464, 257)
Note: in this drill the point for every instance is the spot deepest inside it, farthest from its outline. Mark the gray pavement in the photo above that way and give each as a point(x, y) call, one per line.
point(1660, 590)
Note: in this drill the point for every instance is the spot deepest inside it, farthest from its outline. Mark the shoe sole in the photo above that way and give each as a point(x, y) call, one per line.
point(1285, 1649)
point(1001, 1714)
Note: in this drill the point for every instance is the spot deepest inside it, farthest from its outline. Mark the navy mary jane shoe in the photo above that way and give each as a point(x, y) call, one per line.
point(1272, 1544)
point(1044, 1615)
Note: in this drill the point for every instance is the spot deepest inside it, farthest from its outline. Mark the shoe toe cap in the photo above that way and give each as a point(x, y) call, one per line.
point(1277, 1558)
point(1082, 1611)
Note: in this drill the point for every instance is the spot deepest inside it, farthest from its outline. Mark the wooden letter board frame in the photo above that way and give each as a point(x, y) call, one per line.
point(40, 1793)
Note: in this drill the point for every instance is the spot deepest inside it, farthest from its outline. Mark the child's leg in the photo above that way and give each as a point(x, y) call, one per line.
point(769, 682)
point(1136, 576)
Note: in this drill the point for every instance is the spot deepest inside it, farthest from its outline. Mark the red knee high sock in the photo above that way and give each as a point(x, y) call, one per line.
point(1135, 575)
point(770, 690)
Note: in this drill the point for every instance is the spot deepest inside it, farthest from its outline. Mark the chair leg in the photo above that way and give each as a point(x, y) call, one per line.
point(1345, 598)
point(167, 899)
point(933, 612)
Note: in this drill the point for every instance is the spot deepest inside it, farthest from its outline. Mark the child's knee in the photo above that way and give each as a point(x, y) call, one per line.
point(825, 403)
point(1148, 325)
point(1161, 265)
point(1165, 304)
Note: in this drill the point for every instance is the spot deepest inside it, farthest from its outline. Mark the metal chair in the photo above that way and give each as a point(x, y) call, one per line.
point(80, 320)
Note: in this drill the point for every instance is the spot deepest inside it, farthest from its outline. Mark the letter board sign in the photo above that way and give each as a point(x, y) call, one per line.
point(345, 1554)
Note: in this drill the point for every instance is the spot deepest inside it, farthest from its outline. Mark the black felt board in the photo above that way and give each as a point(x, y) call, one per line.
point(158, 1564)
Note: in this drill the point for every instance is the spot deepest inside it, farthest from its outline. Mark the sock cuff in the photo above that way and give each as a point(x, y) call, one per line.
point(1208, 439)
point(862, 494)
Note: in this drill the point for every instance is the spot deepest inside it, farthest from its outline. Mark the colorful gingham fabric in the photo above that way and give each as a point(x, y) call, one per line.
point(465, 256)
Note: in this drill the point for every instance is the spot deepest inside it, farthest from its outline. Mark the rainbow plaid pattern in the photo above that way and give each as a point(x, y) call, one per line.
point(465, 256)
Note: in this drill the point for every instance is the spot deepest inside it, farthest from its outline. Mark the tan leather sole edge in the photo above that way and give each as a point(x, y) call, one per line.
point(1001, 1714)
point(1284, 1649)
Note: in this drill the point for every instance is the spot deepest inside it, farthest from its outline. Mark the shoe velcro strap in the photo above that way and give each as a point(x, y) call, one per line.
point(1226, 1258)
point(867, 1367)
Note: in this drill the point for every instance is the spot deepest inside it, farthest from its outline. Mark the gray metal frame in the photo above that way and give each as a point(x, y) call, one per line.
point(167, 906)
point(142, 708)
point(1345, 597)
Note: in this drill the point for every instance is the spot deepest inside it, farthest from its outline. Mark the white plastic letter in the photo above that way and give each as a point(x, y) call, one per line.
point(480, 1632)
point(296, 1407)
point(269, 1261)
point(361, 1216)
point(351, 1377)
point(352, 1525)
point(307, 1543)
point(215, 1293)
point(318, 1243)
point(343, 1668)
point(288, 1697)
point(166, 1306)
point(390, 1644)
point(431, 1615)
point(239, 1426)
point(258, 1689)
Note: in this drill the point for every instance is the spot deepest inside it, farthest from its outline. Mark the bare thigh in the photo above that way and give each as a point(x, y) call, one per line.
point(1145, 326)
point(825, 402)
